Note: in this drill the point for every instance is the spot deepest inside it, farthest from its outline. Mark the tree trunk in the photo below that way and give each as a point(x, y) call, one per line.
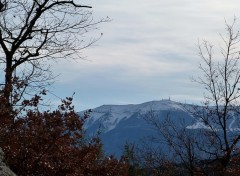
point(8, 83)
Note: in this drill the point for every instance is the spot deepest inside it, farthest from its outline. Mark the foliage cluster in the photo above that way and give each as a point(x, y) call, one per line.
point(52, 142)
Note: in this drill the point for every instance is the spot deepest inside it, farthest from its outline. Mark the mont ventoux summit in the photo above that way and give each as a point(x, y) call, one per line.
point(122, 124)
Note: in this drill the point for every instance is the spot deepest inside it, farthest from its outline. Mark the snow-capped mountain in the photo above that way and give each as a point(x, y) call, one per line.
point(109, 116)
point(119, 124)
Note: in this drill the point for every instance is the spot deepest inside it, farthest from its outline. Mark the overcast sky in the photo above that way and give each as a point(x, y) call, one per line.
point(147, 52)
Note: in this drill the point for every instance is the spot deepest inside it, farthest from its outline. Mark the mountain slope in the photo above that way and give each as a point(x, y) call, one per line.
point(119, 124)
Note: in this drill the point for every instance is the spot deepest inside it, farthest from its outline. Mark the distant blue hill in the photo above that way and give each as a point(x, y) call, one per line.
point(119, 124)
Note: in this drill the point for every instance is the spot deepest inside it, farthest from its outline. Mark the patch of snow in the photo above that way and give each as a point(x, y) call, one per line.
point(201, 125)
point(111, 115)
point(197, 125)
point(231, 124)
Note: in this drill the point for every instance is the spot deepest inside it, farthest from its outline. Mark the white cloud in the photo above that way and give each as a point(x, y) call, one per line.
point(146, 49)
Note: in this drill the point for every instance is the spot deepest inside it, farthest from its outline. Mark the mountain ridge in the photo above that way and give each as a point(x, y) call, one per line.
point(119, 124)
point(113, 114)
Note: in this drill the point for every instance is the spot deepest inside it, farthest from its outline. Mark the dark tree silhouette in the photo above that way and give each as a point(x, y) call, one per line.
point(34, 31)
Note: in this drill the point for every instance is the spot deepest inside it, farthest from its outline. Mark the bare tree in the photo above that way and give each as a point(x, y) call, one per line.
point(147, 158)
point(34, 31)
point(209, 150)
point(177, 143)
point(221, 82)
